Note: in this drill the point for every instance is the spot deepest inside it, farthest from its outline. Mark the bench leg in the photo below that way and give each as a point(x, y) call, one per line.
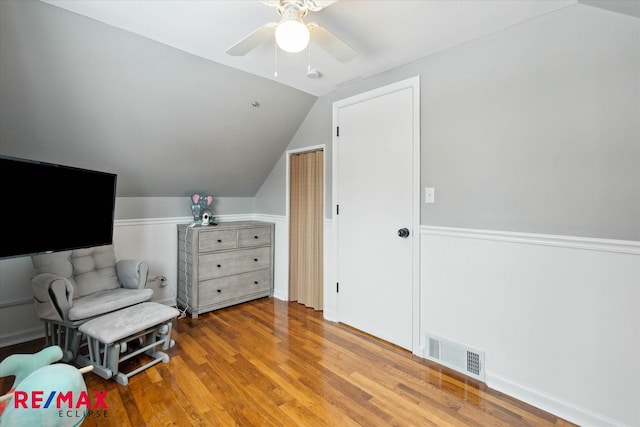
point(107, 366)
point(101, 365)
point(161, 336)
point(65, 337)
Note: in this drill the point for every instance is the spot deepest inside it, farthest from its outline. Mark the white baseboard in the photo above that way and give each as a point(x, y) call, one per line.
point(22, 336)
point(280, 295)
point(559, 407)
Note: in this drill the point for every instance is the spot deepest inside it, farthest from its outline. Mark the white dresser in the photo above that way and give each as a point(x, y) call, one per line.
point(225, 264)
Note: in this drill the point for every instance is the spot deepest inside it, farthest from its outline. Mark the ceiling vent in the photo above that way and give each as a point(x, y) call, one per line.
point(455, 356)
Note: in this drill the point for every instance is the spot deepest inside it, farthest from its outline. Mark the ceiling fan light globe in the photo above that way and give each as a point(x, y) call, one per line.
point(292, 36)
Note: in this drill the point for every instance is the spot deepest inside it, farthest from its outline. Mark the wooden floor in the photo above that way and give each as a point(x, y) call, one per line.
point(275, 363)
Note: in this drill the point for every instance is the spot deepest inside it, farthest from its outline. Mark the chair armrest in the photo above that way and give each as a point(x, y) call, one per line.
point(53, 296)
point(132, 273)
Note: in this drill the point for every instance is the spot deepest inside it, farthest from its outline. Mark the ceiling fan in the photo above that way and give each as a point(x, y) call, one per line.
point(292, 34)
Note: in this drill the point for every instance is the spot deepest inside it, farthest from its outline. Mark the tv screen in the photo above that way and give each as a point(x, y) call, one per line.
point(48, 207)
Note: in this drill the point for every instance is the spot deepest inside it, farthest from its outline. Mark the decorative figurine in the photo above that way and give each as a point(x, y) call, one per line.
point(200, 208)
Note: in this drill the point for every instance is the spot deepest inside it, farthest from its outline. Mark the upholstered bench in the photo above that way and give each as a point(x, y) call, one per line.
point(108, 336)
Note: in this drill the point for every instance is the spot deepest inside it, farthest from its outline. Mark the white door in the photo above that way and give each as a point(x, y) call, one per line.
point(376, 180)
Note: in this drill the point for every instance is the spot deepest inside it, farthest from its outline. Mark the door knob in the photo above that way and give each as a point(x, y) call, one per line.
point(403, 232)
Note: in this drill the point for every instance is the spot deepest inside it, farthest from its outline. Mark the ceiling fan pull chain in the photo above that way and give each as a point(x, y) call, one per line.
point(275, 54)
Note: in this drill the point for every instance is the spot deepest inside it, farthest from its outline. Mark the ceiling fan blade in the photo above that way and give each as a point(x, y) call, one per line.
point(253, 40)
point(331, 44)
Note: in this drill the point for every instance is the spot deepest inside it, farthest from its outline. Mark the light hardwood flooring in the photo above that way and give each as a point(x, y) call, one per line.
point(274, 363)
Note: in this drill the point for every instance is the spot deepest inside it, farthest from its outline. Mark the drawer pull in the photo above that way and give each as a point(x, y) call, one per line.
point(255, 237)
point(219, 240)
point(255, 259)
point(219, 266)
point(219, 291)
point(255, 283)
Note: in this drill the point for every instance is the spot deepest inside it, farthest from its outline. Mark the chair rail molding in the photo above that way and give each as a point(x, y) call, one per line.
point(631, 247)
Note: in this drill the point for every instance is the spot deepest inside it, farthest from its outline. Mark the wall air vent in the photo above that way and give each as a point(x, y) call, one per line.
point(455, 356)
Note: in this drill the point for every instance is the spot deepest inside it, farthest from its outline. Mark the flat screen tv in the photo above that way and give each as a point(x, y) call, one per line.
point(47, 207)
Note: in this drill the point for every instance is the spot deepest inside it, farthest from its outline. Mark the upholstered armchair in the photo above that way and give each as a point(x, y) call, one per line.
point(73, 287)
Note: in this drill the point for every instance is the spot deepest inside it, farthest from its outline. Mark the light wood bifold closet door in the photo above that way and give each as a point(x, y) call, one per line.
point(306, 221)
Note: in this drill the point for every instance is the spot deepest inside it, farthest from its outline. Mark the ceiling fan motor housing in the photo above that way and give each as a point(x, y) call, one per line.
point(291, 12)
point(302, 5)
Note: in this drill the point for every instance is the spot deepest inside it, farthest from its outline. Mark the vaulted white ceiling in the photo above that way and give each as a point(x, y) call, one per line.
point(386, 34)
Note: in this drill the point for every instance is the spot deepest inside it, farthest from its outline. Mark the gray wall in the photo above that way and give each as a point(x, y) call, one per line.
point(535, 128)
point(82, 93)
point(167, 207)
point(314, 130)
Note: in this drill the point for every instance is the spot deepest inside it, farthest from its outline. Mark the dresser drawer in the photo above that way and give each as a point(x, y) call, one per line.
point(257, 236)
point(217, 240)
point(218, 290)
point(233, 262)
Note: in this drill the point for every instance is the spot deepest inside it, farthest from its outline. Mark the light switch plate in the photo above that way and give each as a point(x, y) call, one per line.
point(429, 195)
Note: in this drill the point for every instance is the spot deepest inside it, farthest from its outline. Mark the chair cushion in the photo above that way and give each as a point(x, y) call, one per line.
point(94, 270)
point(126, 322)
point(58, 263)
point(89, 270)
point(103, 302)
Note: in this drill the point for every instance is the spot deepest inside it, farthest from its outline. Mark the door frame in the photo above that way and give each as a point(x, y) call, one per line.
point(414, 84)
point(289, 153)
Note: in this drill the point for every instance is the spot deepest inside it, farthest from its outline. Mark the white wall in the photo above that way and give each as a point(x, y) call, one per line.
point(557, 317)
point(281, 255)
point(18, 321)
